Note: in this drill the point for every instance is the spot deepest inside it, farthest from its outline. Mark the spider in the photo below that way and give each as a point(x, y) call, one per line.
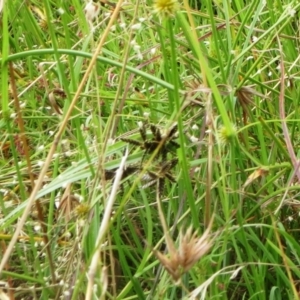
point(162, 173)
point(167, 141)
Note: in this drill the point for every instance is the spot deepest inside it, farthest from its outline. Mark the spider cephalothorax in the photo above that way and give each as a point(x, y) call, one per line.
point(165, 142)
point(159, 174)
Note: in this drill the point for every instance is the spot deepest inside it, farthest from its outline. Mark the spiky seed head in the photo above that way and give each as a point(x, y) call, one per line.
point(82, 210)
point(165, 8)
point(191, 248)
point(226, 134)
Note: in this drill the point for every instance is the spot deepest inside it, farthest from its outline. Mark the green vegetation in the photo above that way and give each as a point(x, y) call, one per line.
point(149, 150)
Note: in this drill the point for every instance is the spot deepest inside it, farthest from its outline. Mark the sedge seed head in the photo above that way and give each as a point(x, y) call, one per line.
point(82, 210)
point(226, 134)
point(165, 8)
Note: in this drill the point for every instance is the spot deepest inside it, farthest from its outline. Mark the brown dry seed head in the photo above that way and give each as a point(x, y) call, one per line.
point(171, 264)
point(191, 248)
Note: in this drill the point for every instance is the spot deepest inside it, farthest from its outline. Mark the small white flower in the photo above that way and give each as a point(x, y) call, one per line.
point(37, 228)
point(270, 74)
point(254, 39)
point(136, 48)
point(67, 235)
point(91, 10)
point(123, 25)
point(60, 11)
point(291, 11)
point(249, 57)
point(153, 50)
point(13, 115)
point(193, 139)
point(22, 104)
point(68, 153)
point(51, 132)
point(146, 114)
point(21, 39)
point(142, 20)
point(195, 127)
point(136, 26)
point(40, 148)
point(40, 163)
point(140, 124)
point(110, 141)
point(139, 56)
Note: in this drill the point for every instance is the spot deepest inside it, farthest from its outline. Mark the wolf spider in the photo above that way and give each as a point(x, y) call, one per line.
point(166, 142)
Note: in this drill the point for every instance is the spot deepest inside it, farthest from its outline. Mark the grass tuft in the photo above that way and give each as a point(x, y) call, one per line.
point(149, 150)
